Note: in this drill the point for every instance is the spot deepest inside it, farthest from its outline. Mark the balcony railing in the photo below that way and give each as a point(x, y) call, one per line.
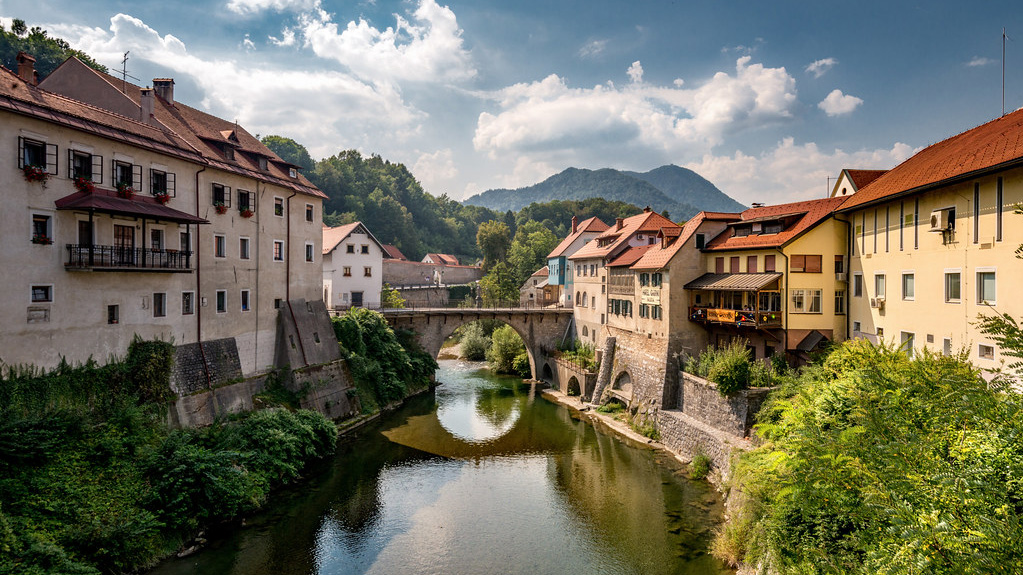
point(116, 258)
point(738, 318)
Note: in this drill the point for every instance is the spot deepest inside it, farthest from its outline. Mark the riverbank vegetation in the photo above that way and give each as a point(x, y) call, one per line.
point(873, 462)
point(386, 365)
point(732, 368)
point(92, 480)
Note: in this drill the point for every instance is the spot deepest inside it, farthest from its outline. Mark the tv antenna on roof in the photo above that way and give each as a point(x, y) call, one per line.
point(125, 75)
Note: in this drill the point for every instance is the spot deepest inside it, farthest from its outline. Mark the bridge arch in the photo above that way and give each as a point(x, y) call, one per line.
point(548, 375)
point(540, 329)
point(573, 387)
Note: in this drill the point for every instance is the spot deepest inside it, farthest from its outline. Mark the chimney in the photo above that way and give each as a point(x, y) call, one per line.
point(575, 224)
point(619, 223)
point(164, 89)
point(146, 108)
point(26, 68)
point(646, 210)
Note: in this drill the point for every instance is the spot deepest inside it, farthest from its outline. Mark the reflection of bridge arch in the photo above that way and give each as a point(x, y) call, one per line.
point(540, 329)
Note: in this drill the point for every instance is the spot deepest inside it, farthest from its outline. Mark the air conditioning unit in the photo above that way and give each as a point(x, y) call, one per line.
point(841, 277)
point(877, 302)
point(941, 220)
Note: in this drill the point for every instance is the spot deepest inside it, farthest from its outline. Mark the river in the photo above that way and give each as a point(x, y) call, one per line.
point(480, 477)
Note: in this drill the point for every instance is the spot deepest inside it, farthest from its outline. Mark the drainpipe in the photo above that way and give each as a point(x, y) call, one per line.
point(848, 272)
point(287, 272)
point(785, 298)
point(198, 292)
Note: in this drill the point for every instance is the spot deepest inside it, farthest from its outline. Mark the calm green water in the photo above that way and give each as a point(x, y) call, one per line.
point(481, 477)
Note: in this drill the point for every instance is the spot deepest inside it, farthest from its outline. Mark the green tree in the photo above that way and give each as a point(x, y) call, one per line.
point(48, 52)
point(498, 287)
point(494, 240)
point(529, 250)
point(391, 298)
point(289, 150)
point(506, 346)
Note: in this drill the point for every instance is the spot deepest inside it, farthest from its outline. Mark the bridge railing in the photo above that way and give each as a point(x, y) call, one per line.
point(515, 305)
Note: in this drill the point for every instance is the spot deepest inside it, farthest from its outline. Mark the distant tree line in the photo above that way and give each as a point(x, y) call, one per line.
point(48, 52)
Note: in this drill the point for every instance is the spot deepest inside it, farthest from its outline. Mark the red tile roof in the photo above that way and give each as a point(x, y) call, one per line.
point(995, 145)
point(809, 214)
point(860, 178)
point(645, 222)
point(659, 257)
point(444, 259)
point(591, 225)
point(629, 256)
point(393, 253)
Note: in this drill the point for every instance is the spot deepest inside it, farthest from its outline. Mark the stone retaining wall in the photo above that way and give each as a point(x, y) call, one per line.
point(734, 414)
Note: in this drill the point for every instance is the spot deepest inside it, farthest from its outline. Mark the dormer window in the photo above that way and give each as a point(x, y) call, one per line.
point(774, 228)
point(743, 231)
point(228, 152)
point(261, 160)
point(293, 172)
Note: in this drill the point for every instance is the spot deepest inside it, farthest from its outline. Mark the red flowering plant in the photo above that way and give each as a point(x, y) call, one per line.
point(221, 208)
point(42, 240)
point(84, 184)
point(35, 173)
point(247, 213)
point(124, 190)
point(162, 197)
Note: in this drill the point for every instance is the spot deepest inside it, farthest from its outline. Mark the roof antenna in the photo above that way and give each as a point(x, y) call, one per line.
point(125, 75)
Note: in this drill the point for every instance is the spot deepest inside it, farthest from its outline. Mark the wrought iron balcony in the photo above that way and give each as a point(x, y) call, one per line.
point(738, 318)
point(82, 257)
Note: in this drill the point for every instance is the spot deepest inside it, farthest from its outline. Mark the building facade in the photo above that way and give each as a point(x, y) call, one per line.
point(353, 267)
point(559, 270)
point(142, 216)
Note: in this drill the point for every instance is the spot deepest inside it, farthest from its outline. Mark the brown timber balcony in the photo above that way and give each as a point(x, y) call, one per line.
point(738, 318)
point(82, 257)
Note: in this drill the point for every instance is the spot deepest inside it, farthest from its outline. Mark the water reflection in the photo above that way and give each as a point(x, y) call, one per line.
point(479, 478)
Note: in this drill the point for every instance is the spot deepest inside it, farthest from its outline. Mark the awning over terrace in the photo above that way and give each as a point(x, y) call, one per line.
point(106, 202)
point(733, 282)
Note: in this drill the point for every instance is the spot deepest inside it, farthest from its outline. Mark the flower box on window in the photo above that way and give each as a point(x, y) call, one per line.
point(220, 207)
point(124, 190)
point(162, 197)
point(35, 174)
point(43, 240)
point(84, 185)
point(247, 213)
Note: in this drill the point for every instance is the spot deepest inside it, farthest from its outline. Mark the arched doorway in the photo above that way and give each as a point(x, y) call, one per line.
point(548, 374)
point(572, 388)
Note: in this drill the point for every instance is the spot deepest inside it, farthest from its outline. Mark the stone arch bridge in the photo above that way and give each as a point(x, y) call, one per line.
point(542, 329)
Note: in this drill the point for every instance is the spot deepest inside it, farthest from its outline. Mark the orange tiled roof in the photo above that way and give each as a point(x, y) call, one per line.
point(810, 213)
point(645, 222)
point(997, 144)
point(206, 133)
point(392, 252)
point(861, 178)
point(629, 256)
point(591, 225)
point(659, 257)
point(444, 259)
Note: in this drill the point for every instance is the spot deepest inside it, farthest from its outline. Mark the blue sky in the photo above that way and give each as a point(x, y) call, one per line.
point(765, 99)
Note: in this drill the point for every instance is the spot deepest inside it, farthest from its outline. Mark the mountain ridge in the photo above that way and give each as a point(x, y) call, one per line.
point(679, 191)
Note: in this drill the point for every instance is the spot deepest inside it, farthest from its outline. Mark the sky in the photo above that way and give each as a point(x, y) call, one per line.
point(767, 100)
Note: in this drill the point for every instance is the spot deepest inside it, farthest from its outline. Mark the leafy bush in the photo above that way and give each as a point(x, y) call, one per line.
point(581, 354)
point(699, 467)
point(520, 365)
point(506, 345)
point(611, 407)
point(475, 342)
point(875, 463)
point(731, 368)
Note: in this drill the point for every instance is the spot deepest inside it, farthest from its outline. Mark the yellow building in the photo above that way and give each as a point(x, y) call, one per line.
point(776, 278)
point(933, 243)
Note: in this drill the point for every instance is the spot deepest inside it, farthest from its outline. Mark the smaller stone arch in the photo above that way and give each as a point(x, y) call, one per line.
point(623, 383)
point(573, 387)
point(548, 374)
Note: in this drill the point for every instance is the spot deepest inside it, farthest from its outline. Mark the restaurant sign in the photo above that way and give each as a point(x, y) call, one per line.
point(650, 296)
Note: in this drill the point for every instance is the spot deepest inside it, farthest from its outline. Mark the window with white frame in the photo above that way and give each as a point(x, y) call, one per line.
point(908, 285)
point(37, 154)
point(221, 196)
point(219, 246)
point(952, 287)
point(42, 229)
point(986, 287)
point(908, 343)
point(840, 302)
point(856, 326)
point(279, 207)
point(243, 248)
point(161, 183)
point(246, 201)
point(879, 285)
point(806, 301)
point(159, 304)
point(245, 300)
point(221, 301)
point(985, 351)
point(187, 302)
point(85, 165)
point(278, 251)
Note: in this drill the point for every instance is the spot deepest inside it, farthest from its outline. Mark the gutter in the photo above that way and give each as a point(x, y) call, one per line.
point(785, 298)
point(848, 272)
point(198, 293)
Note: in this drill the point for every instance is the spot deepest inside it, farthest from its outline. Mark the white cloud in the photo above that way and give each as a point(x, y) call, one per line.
point(819, 67)
point(790, 172)
point(426, 48)
point(549, 115)
point(249, 7)
point(287, 38)
point(248, 44)
point(837, 103)
point(980, 61)
point(435, 171)
point(635, 72)
point(593, 49)
point(337, 110)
